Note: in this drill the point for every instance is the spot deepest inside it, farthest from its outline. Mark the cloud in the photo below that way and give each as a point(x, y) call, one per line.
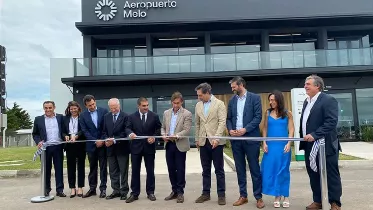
point(33, 32)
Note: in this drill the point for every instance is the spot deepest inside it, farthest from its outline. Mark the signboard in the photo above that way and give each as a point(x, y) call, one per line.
point(106, 9)
point(298, 95)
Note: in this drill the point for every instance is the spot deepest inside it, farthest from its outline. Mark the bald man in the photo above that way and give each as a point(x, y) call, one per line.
point(117, 151)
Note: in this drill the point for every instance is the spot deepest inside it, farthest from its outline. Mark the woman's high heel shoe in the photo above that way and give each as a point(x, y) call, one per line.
point(71, 195)
point(80, 195)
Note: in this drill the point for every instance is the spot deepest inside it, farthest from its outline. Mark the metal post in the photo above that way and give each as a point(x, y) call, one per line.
point(323, 176)
point(42, 198)
point(4, 140)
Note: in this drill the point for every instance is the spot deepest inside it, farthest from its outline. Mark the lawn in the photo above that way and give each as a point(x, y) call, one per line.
point(228, 151)
point(18, 158)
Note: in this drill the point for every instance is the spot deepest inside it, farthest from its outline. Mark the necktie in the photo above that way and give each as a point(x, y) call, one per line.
point(143, 119)
point(114, 118)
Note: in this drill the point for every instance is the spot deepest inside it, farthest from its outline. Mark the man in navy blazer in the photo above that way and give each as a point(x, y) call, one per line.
point(48, 129)
point(143, 123)
point(91, 122)
point(319, 120)
point(244, 117)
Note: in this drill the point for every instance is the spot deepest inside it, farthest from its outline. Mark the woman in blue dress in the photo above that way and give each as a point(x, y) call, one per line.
point(275, 164)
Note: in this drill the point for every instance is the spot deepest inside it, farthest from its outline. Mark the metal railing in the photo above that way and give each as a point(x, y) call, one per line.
point(222, 62)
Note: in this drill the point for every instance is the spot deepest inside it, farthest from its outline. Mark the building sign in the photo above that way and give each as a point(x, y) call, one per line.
point(298, 96)
point(106, 9)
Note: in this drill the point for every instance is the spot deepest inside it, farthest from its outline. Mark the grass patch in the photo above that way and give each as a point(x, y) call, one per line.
point(19, 158)
point(228, 151)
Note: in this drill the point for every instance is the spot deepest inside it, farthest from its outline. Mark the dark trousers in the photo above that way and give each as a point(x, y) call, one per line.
point(333, 178)
point(207, 154)
point(95, 158)
point(243, 150)
point(118, 170)
point(54, 153)
point(136, 167)
point(176, 167)
point(75, 159)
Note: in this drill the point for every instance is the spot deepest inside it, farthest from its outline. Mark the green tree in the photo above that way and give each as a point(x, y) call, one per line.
point(18, 118)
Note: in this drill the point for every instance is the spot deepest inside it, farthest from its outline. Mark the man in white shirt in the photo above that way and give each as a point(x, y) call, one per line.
point(319, 120)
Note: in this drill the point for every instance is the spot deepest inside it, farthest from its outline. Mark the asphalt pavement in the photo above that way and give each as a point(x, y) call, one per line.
point(16, 193)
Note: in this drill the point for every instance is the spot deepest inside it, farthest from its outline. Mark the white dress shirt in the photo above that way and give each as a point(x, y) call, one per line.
point(306, 114)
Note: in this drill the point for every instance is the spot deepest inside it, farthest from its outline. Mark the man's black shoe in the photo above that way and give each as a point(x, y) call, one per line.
point(151, 197)
point(113, 195)
point(132, 198)
point(103, 194)
point(61, 194)
point(90, 193)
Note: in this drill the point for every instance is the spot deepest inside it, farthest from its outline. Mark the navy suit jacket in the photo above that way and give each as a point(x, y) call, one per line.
point(117, 130)
point(152, 127)
point(39, 132)
point(322, 122)
point(252, 115)
point(89, 129)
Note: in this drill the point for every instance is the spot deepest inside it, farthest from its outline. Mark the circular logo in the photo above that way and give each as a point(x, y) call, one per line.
point(105, 16)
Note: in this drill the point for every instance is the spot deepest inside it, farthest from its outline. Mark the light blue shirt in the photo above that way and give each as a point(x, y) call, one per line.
point(240, 107)
point(206, 106)
point(173, 121)
point(94, 117)
point(116, 116)
point(52, 129)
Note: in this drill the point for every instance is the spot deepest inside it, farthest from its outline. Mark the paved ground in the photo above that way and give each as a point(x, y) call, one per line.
point(358, 149)
point(357, 191)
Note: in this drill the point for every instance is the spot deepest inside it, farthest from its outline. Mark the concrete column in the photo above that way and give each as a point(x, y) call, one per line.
point(149, 53)
point(322, 39)
point(321, 46)
point(264, 43)
point(208, 57)
point(264, 56)
point(89, 54)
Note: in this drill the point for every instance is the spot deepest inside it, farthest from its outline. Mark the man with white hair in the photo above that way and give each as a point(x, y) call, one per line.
point(117, 151)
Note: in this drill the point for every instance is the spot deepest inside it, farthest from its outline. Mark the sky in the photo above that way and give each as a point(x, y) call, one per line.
point(33, 31)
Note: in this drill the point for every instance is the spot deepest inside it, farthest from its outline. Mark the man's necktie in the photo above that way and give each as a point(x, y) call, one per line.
point(143, 119)
point(114, 118)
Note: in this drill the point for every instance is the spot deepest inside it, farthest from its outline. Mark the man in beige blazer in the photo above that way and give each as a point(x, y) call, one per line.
point(177, 122)
point(210, 116)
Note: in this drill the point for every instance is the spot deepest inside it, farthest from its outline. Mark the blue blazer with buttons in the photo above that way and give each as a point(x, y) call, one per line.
point(252, 115)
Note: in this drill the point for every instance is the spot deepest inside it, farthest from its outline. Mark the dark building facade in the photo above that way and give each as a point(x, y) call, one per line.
point(153, 48)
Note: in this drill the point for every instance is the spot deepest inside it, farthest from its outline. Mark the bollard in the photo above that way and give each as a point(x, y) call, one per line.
point(323, 176)
point(42, 198)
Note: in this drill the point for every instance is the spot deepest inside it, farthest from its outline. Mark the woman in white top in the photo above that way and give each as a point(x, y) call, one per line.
point(75, 151)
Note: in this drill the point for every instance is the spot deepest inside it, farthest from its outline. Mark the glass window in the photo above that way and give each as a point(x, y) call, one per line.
point(129, 105)
point(345, 127)
point(103, 103)
point(364, 99)
point(178, 54)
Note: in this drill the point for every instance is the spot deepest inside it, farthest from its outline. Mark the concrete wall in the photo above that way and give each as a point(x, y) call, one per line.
point(59, 92)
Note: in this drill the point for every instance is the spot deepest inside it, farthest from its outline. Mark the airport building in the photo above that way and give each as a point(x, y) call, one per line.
point(152, 48)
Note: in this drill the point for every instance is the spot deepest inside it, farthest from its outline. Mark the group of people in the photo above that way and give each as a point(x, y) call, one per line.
point(241, 118)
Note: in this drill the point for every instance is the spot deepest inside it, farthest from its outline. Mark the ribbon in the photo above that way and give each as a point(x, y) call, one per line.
point(315, 147)
point(314, 151)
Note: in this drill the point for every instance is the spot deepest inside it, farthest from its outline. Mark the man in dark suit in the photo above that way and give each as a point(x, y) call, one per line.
point(143, 123)
point(117, 151)
point(48, 129)
point(319, 120)
point(244, 117)
point(91, 122)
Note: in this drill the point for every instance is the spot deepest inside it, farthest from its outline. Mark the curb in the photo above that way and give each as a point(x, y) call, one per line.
point(300, 165)
point(34, 173)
